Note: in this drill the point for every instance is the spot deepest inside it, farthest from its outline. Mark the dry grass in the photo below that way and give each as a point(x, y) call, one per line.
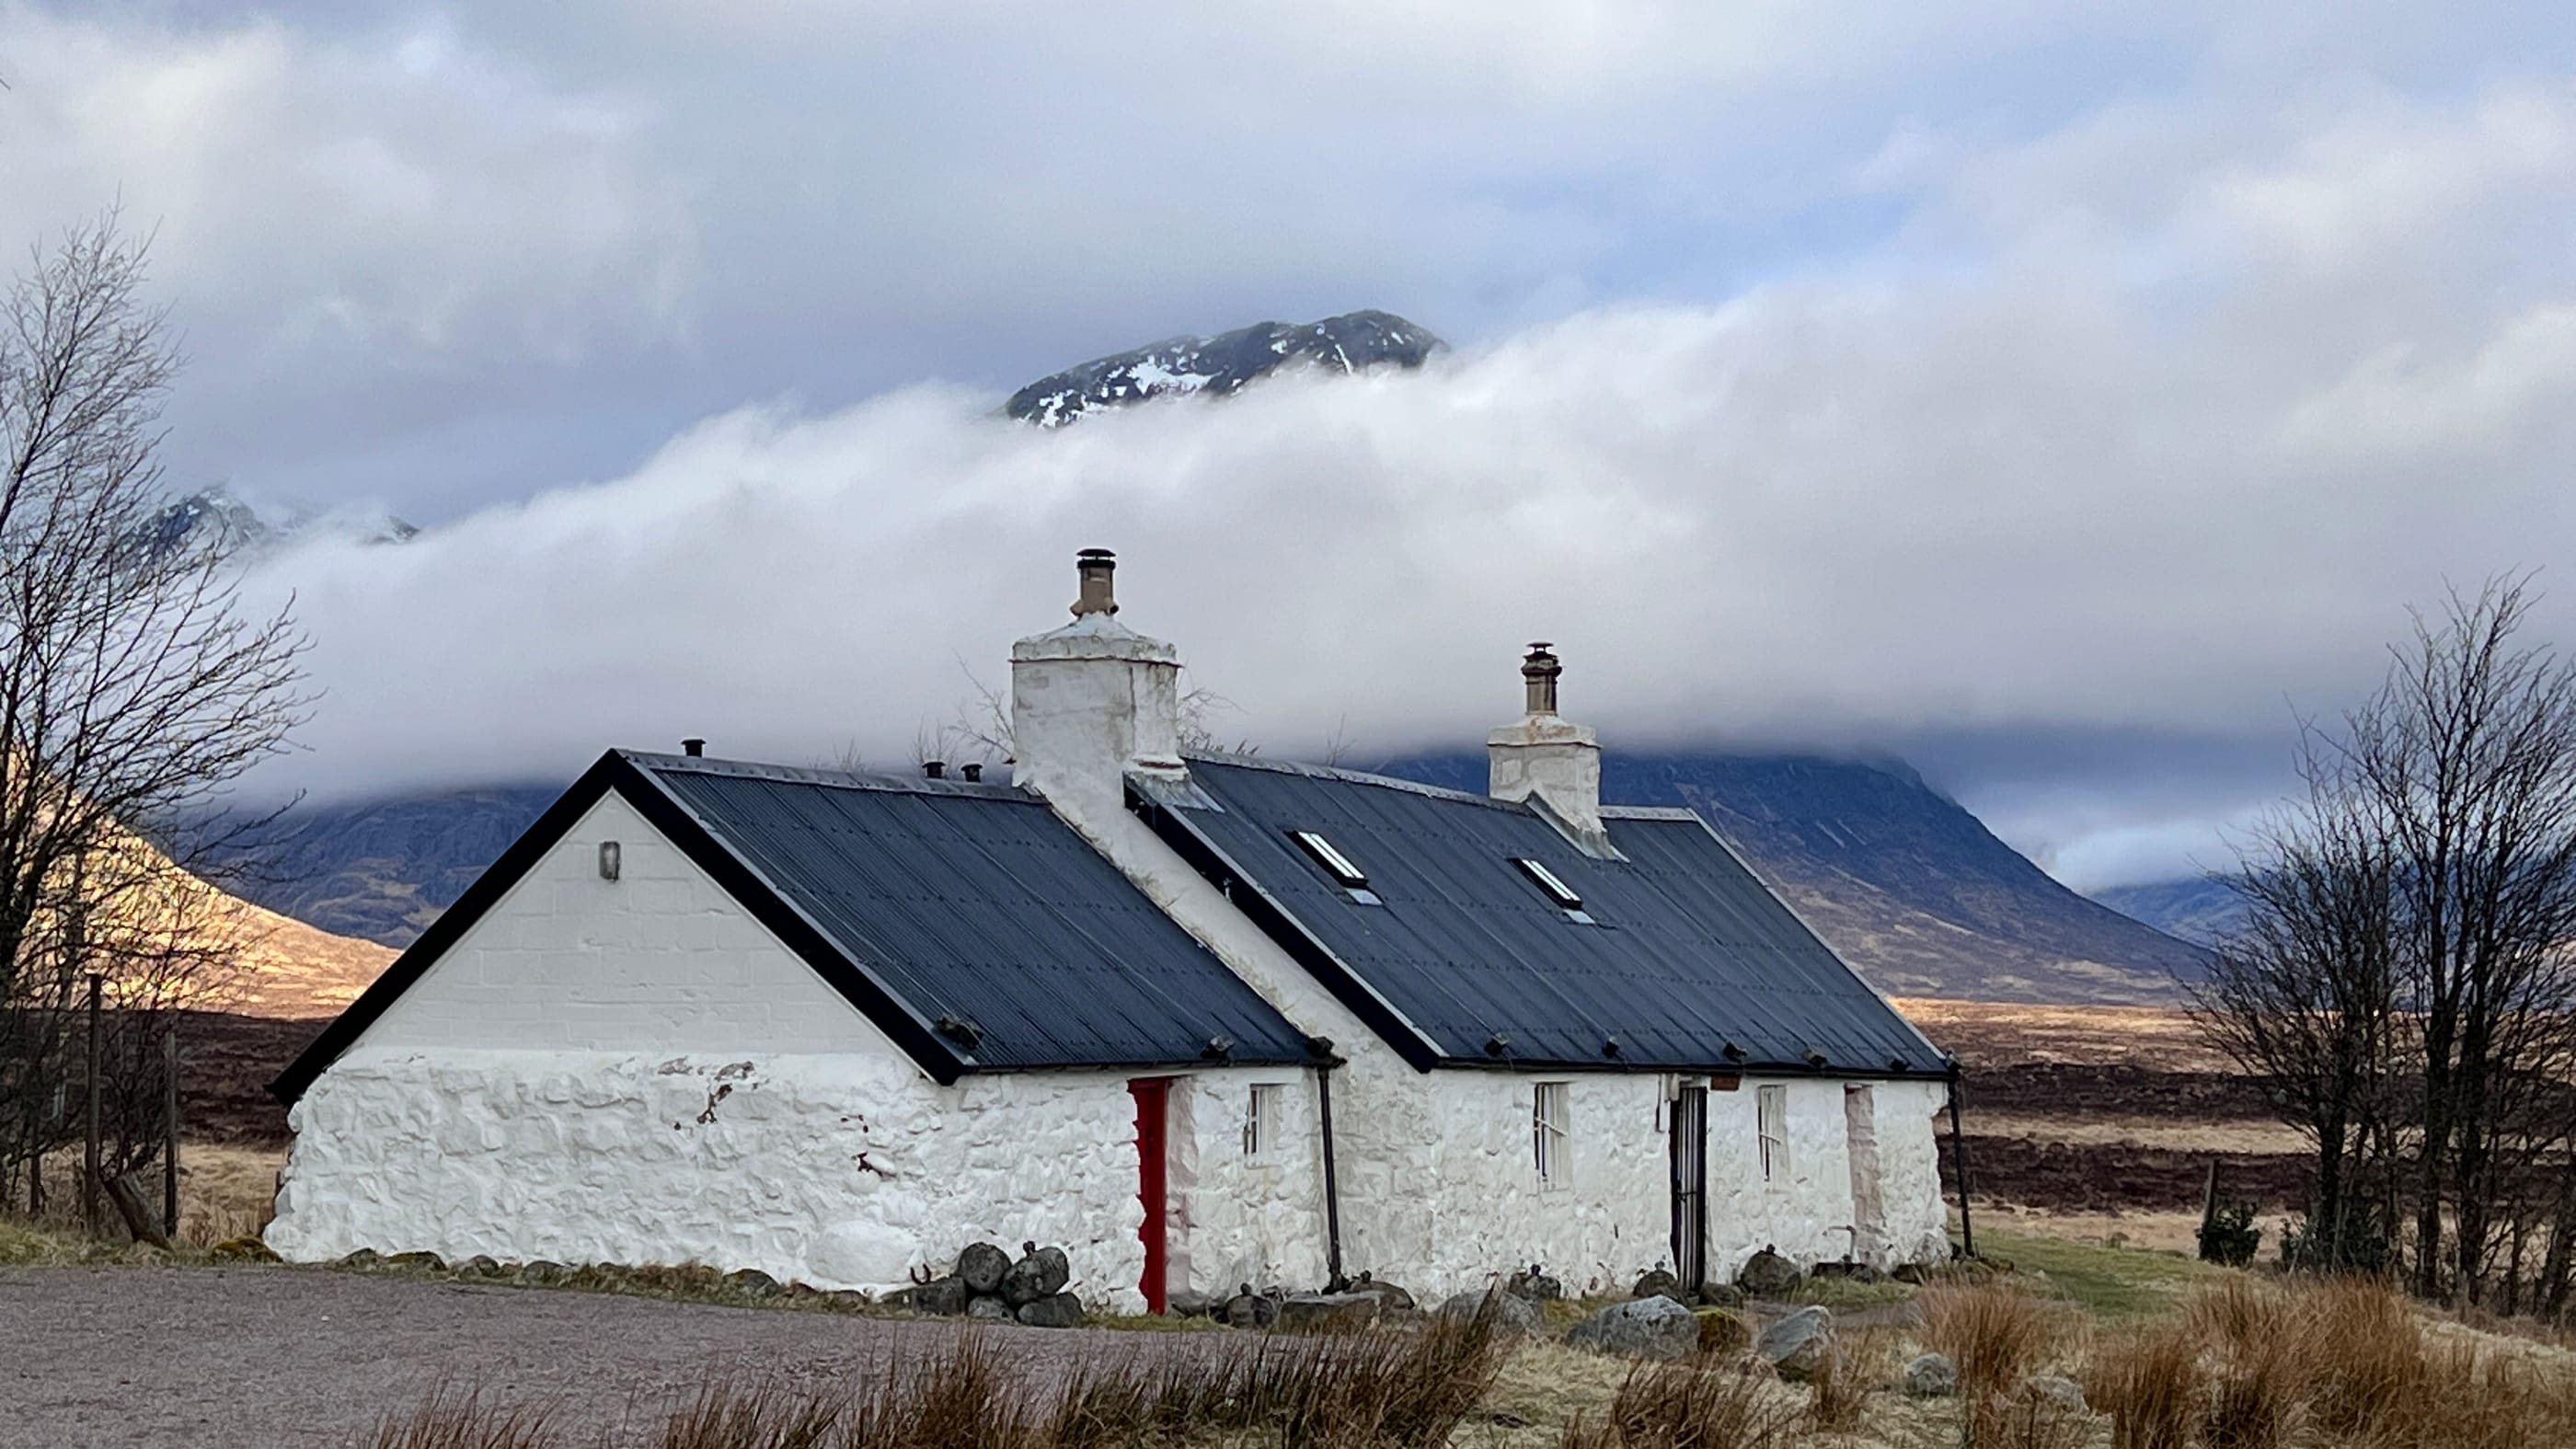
point(2162, 1038)
point(1854, 1367)
point(2229, 1135)
point(1700, 1402)
point(1997, 1333)
point(1381, 1389)
point(2148, 1381)
point(449, 1419)
point(225, 1192)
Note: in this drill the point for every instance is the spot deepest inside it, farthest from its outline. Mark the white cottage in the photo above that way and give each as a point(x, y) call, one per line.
point(1200, 1019)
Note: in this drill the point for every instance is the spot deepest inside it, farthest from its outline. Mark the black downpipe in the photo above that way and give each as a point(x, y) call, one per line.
point(1332, 1182)
point(1959, 1159)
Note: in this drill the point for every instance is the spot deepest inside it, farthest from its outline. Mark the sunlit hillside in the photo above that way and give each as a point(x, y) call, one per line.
point(166, 937)
point(296, 969)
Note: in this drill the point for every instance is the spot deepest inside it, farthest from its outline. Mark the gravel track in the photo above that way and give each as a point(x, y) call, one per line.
point(244, 1358)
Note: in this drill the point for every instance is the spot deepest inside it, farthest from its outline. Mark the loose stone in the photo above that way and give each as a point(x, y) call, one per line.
point(1655, 1328)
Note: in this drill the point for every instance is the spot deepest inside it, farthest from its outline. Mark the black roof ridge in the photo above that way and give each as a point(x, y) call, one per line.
point(830, 779)
point(1355, 777)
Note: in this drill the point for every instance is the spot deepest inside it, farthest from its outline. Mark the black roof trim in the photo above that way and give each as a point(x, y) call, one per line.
point(1255, 904)
point(620, 771)
point(841, 779)
point(1357, 777)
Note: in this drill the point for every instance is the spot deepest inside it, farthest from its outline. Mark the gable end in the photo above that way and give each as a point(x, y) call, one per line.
point(615, 773)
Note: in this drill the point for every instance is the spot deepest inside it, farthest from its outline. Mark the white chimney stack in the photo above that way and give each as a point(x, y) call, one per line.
point(1546, 757)
point(1092, 701)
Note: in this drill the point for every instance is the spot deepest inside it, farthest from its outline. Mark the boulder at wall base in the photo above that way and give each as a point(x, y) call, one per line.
point(1514, 1316)
point(1056, 1310)
point(1042, 1273)
point(1534, 1285)
point(1248, 1309)
point(986, 1306)
point(1931, 1376)
point(1797, 1345)
point(1768, 1275)
point(1189, 1304)
point(1655, 1328)
point(1314, 1312)
point(752, 1281)
point(943, 1296)
point(1721, 1295)
point(1722, 1332)
point(981, 1267)
point(1387, 1294)
point(1657, 1283)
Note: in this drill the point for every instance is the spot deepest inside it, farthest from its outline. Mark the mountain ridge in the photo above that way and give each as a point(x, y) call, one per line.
point(1224, 364)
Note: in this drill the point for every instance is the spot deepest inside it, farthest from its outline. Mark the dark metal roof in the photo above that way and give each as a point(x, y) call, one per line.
point(916, 900)
point(1687, 955)
point(976, 902)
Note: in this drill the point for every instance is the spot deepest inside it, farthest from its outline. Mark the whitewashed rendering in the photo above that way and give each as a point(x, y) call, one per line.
point(1201, 1021)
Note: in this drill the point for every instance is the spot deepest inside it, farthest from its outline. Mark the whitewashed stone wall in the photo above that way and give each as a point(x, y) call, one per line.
point(843, 1171)
point(650, 1077)
point(1438, 1185)
point(1236, 1219)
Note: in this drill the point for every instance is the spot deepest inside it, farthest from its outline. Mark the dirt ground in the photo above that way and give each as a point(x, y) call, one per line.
point(244, 1358)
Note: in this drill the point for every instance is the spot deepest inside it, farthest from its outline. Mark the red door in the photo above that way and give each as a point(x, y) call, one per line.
point(1153, 1095)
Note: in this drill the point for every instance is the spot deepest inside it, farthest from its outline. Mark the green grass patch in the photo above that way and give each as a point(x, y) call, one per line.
point(2111, 1283)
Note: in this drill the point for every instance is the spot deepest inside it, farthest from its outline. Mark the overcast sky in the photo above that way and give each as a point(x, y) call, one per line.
point(2056, 395)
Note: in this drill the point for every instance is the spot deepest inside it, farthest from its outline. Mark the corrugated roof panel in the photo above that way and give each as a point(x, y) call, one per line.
point(977, 902)
point(1686, 952)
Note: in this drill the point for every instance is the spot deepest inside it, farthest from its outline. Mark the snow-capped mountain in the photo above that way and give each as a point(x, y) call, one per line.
point(216, 517)
point(1221, 365)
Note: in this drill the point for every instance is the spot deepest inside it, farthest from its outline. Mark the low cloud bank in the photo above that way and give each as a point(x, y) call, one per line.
point(2148, 429)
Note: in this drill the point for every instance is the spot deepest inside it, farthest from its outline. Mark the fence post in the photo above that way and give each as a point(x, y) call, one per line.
point(170, 1129)
point(89, 1179)
point(1959, 1160)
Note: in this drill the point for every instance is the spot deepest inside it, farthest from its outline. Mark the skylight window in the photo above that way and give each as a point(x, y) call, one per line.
point(1344, 871)
point(1565, 896)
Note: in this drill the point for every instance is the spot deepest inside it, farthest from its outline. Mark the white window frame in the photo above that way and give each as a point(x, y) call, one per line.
point(1262, 1126)
point(1771, 1130)
point(1552, 1133)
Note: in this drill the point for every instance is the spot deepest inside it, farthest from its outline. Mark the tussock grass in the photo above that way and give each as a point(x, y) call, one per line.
point(1382, 1389)
point(1854, 1368)
point(2148, 1381)
point(1998, 1333)
point(1699, 1402)
point(452, 1419)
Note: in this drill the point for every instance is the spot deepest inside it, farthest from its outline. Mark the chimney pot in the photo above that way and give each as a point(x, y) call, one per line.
point(934, 769)
point(973, 771)
point(693, 748)
point(1094, 566)
point(1538, 675)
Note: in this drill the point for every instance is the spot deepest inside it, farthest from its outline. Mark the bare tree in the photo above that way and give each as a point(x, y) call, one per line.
point(2468, 756)
point(981, 725)
point(135, 689)
point(2304, 997)
point(2407, 977)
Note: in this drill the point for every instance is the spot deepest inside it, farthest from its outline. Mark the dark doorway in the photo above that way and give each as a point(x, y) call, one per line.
point(1690, 1186)
point(1153, 1113)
